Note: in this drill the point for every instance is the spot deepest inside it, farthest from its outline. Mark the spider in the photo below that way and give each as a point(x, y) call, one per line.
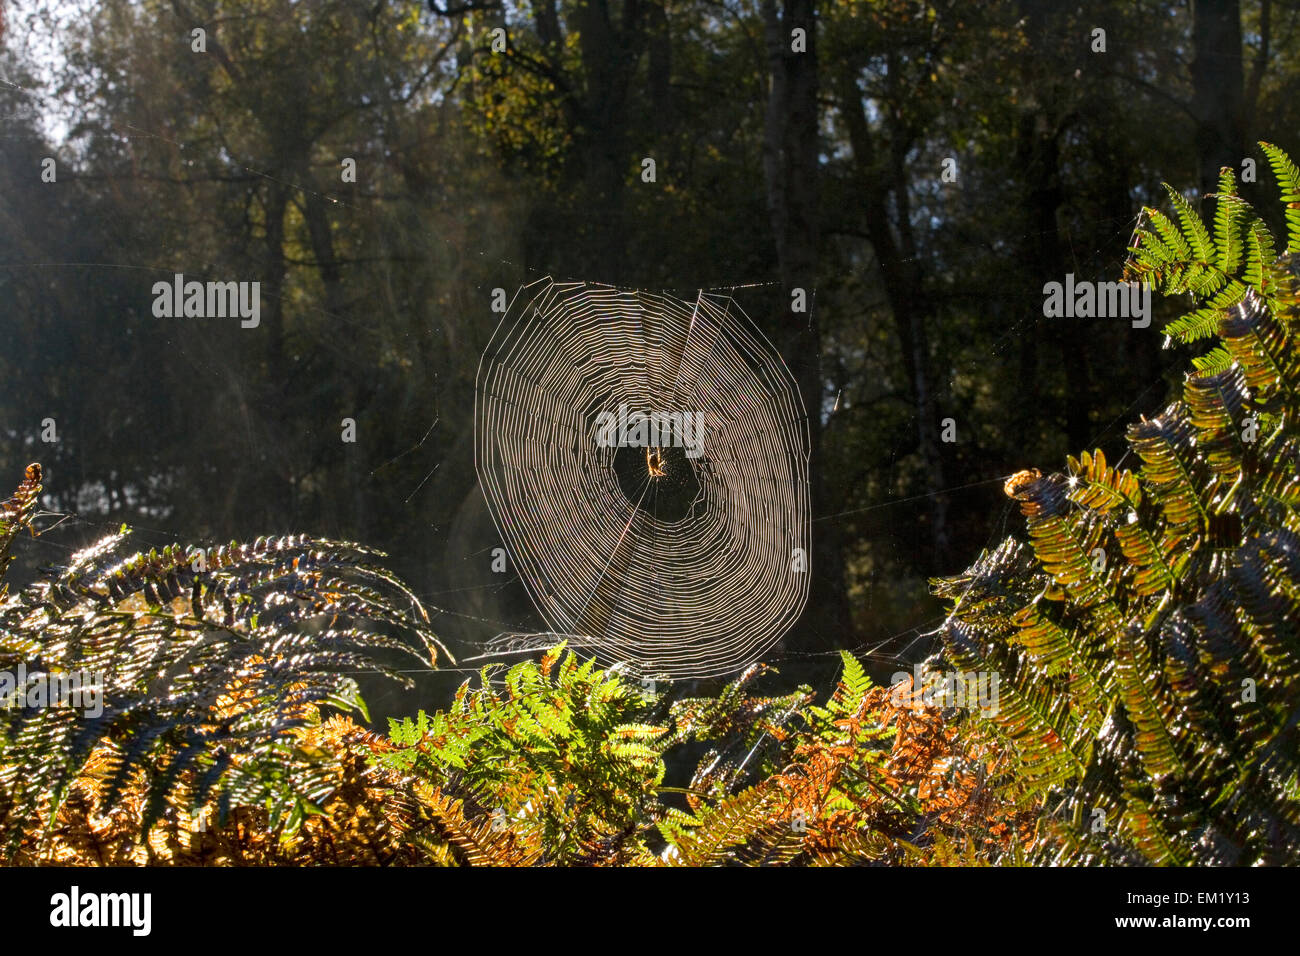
point(1020, 480)
point(654, 463)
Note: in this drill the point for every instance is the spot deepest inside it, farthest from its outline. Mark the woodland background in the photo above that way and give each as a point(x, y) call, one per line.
point(479, 170)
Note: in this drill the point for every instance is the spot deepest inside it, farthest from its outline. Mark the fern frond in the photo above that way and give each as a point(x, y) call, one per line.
point(199, 666)
point(1288, 182)
point(1187, 638)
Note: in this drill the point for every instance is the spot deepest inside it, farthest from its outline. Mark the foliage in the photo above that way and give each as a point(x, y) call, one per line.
point(1146, 632)
point(349, 825)
point(555, 765)
point(1220, 268)
point(565, 765)
point(479, 170)
point(200, 671)
point(876, 775)
point(1122, 684)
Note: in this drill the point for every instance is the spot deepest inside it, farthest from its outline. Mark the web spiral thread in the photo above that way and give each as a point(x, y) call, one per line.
point(645, 460)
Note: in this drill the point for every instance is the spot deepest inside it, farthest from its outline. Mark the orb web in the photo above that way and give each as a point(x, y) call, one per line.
point(645, 461)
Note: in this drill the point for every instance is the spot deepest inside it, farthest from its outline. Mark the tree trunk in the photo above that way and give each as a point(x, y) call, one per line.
point(610, 55)
point(316, 212)
point(277, 200)
point(1038, 153)
point(1217, 88)
point(908, 303)
point(790, 167)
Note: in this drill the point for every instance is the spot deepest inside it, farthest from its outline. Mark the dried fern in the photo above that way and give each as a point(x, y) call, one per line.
point(207, 662)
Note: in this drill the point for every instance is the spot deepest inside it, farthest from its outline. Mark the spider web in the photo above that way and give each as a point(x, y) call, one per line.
point(685, 625)
point(690, 565)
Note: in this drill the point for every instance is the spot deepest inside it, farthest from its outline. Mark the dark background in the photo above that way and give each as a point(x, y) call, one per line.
point(479, 170)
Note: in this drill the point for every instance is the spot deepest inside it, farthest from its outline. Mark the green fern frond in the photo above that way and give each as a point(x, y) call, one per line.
point(1196, 238)
point(1229, 214)
point(1288, 182)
